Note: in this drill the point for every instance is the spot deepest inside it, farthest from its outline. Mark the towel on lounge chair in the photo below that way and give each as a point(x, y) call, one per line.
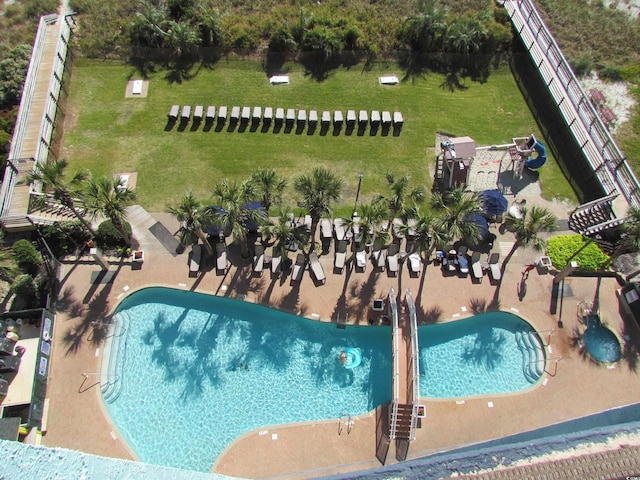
point(296, 275)
point(379, 257)
point(258, 259)
point(392, 258)
point(316, 267)
point(494, 266)
point(341, 254)
point(415, 263)
point(194, 261)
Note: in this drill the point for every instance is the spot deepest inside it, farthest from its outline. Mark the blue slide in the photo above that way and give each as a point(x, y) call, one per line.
point(540, 159)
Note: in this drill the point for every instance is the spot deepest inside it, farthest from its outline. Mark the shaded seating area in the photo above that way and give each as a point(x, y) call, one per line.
point(195, 258)
point(316, 268)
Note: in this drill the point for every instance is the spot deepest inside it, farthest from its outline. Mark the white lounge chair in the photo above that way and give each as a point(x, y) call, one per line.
point(316, 267)
point(494, 266)
point(194, 260)
point(276, 263)
point(341, 255)
point(361, 260)
point(379, 257)
point(173, 113)
point(298, 268)
point(415, 263)
point(258, 259)
point(325, 228)
point(476, 266)
point(221, 257)
point(392, 258)
point(338, 226)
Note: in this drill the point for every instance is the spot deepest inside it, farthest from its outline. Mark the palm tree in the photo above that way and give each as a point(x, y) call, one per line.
point(193, 216)
point(183, 39)
point(371, 217)
point(52, 174)
point(234, 216)
point(527, 228)
point(109, 196)
point(284, 233)
point(423, 227)
point(268, 186)
point(319, 190)
point(400, 196)
point(454, 208)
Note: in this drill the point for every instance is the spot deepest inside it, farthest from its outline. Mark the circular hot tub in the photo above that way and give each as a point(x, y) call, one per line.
point(602, 344)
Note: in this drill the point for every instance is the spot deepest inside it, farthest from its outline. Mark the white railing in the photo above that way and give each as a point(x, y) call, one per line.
point(415, 363)
point(395, 352)
point(593, 137)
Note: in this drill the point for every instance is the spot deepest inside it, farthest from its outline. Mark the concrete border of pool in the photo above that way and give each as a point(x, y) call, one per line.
point(76, 420)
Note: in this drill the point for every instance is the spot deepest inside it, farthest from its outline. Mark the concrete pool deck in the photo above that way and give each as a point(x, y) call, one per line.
point(574, 386)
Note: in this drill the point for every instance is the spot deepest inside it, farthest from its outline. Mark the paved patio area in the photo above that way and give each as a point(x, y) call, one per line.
point(572, 387)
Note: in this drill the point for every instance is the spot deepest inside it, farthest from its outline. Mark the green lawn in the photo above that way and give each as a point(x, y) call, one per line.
point(108, 133)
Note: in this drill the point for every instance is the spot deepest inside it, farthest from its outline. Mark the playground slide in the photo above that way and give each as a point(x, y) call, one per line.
point(540, 158)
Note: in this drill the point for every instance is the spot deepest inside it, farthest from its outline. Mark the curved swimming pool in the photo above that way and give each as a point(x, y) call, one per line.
point(194, 372)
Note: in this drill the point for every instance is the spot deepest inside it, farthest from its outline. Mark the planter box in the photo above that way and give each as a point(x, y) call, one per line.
point(138, 256)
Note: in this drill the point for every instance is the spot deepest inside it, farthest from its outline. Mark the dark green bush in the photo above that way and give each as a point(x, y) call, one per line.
point(64, 238)
point(27, 256)
point(108, 236)
point(561, 248)
point(26, 293)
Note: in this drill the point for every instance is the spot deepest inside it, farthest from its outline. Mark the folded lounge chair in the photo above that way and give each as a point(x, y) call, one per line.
point(361, 260)
point(341, 255)
point(194, 261)
point(494, 266)
point(258, 259)
point(221, 257)
point(415, 263)
point(298, 268)
point(316, 267)
point(392, 259)
point(476, 266)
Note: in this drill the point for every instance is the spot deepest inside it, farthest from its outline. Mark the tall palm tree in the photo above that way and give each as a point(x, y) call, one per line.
point(453, 209)
point(193, 216)
point(527, 228)
point(283, 233)
point(423, 227)
point(371, 217)
point(319, 190)
point(268, 186)
point(63, 189)
point(234, 216)
point(400, 197)
point(183, 39)
point(109, 196)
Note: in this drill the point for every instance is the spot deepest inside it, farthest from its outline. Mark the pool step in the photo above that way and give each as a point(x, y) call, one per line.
point(110, 383)
point(403, 423)
point(532, 355)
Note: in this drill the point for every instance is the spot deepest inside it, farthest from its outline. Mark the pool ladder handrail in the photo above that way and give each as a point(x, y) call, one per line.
point(99, 382)
point(556, 360)
point(342, 422)
point(549, 331)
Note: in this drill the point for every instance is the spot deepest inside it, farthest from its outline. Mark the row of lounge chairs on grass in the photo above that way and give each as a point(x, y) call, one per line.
point(289, 116)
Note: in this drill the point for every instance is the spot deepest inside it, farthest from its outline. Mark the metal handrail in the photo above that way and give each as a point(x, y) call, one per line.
point(598, 146)
point(395, 350)
point(415, 362)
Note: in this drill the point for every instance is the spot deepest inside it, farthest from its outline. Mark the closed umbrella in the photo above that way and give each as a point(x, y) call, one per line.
point(493, 203)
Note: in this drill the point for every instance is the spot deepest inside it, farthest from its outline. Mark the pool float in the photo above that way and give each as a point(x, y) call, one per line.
point(354, 357)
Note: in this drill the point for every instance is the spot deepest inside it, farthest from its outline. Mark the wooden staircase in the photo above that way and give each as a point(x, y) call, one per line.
point(403, 421)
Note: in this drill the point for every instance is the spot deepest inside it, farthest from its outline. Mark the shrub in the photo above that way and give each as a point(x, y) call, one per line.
point(64, 238)
point(109, 236)
point(27, 256)
point(24, 288)
point(561, 248)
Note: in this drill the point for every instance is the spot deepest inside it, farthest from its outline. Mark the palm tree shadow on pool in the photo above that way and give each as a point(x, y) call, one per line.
point(486, 349)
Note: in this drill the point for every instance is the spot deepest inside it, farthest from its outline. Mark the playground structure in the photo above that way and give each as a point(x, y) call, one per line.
point(461, 162)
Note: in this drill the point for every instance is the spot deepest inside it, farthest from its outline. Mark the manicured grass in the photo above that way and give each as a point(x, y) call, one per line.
point(108, 133)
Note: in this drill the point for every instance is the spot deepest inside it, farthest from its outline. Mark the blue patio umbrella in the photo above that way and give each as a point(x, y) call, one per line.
point(214, 230)
point(481, 222)
point(493, 202)
point(249, 223)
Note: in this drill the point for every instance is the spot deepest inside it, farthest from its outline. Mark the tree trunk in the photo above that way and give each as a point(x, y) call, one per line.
point(67, 201)
point(203, 238)
point(314, 227)
point(123, 231)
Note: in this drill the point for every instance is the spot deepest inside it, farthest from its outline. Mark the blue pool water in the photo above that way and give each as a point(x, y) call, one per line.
point(602, 344)
point(475, 356)
point(197, 371)
point(184, 396)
